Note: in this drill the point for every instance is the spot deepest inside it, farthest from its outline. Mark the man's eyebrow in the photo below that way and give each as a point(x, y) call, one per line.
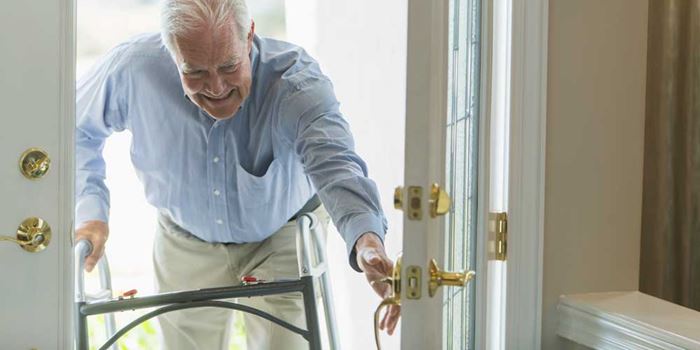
point(187, 67)
point(231, 61)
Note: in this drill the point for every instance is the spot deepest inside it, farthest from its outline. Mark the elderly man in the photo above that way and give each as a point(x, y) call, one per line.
point(233, 135)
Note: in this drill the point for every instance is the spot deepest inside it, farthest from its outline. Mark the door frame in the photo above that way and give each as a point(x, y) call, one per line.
point(528, 25)
point(66, 169)
point(528, 127)
point(526, 178)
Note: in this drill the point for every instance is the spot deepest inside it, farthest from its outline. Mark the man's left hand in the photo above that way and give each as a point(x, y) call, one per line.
point(372, 259)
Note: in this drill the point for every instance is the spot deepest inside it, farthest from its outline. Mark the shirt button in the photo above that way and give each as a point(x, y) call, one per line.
point(219, 221)
point(216, 192)
point(216, 159)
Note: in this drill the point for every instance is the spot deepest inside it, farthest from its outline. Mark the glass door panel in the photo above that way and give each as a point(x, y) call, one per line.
point(462, 126)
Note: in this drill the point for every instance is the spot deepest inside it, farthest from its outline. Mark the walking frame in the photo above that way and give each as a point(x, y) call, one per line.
point(311, 275)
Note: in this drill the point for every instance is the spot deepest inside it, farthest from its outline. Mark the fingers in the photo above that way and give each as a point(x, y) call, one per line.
point(382, 325)
point(390, 319)
point(375, 258)
point(382, 288)
point(93, 258)
point(369, 259)
point(90, 263)
point(96, 232)
point(377, 267)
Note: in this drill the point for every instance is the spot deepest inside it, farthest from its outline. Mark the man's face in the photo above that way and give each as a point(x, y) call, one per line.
point(215, 68)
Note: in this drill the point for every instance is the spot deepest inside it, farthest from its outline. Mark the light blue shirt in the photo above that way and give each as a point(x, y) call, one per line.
point(237, 180)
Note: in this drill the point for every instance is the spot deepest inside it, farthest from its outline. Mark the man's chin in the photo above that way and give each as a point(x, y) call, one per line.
point(220, 113)
point(221, 116)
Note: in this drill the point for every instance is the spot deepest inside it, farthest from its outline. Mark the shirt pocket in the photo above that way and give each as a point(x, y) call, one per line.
point(266, 190)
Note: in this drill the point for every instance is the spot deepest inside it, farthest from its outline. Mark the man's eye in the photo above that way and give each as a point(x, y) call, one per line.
point(195, 73)
point(230, 69)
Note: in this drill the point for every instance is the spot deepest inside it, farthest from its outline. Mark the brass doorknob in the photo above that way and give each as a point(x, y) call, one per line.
point(34, 163)
point(33, 235)
point(439, 201)
point(440, 278)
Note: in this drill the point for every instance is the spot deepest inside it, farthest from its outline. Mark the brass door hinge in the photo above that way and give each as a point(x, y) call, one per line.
point(498, 236)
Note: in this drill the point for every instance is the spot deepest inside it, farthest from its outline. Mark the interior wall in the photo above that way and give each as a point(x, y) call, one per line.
point(594, 157)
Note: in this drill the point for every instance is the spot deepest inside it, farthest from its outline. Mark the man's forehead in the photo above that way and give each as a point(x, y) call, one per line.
point(205, 48)
point(189, 64)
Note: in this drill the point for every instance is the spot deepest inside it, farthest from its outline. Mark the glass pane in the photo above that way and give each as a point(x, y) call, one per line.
point(461, 170)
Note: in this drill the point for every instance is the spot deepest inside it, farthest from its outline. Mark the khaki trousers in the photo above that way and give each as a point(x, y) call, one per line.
point(184, 262)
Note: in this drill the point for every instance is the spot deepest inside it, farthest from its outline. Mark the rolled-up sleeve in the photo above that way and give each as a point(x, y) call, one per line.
point(100, 111)
point(323, 141)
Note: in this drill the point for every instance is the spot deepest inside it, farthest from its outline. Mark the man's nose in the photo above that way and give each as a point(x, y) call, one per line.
point(216, 85)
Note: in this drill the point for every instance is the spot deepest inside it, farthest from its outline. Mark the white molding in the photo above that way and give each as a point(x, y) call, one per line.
point(527, 174)
point(67, 61)
point(597, 327)
point(483, 179)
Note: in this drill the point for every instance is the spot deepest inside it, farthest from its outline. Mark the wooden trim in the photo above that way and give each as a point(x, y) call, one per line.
point(527, 174)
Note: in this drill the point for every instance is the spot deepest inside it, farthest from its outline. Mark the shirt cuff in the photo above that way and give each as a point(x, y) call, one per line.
point(91, 207)
point(355, 227)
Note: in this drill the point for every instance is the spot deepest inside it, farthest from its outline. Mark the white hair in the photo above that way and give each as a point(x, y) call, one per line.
point(177, 17)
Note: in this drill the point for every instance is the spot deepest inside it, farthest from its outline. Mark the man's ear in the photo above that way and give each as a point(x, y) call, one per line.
point(251, 34)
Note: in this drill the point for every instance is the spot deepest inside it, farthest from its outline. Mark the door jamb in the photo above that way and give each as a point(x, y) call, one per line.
point(527, 174)
point(66, 169)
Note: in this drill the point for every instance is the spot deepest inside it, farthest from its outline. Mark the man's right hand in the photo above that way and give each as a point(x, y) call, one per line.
point(96, 232)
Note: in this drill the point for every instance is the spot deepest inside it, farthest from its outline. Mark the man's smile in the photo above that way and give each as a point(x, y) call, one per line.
point(218, 100)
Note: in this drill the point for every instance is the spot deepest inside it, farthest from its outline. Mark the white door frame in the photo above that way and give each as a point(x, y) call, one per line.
point(527, 173)
point(484, 179)
point(526, 164)
point(66, 168)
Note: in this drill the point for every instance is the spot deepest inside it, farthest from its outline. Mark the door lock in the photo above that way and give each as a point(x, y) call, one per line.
point(439, 201)
point(34, 163)
point(33, 235)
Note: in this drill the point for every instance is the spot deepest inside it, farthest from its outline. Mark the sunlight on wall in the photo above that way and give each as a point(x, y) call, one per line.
point(363, 51)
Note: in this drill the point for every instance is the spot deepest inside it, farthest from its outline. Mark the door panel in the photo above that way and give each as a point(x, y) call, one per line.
point(442, 147)
point(36, 90)
point(426, 107)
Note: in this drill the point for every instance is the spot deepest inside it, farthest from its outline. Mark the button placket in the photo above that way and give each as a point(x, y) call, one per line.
point(216, 185)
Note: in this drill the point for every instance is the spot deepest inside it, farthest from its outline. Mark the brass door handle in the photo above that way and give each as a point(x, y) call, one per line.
point(394, 299)
point(33, 235)
point(440, 278)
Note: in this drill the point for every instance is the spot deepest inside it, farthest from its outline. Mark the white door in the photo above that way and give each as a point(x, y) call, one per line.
point(36, 93)
point(447, 144)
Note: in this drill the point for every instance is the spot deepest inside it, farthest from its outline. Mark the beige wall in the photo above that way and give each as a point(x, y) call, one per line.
point(595, 131)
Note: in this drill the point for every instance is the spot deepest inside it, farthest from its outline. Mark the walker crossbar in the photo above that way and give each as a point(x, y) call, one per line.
point(104, 307)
